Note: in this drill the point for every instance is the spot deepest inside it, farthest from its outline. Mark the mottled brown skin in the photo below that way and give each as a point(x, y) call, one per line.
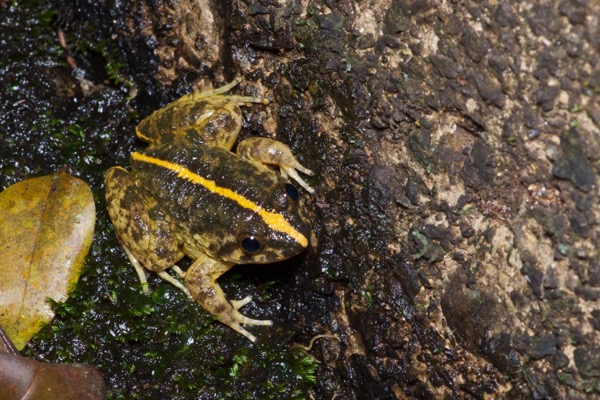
point(142, 224)
point(188, 194)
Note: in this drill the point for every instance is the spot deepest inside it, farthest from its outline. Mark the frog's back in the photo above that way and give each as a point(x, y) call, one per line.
point(204, 189)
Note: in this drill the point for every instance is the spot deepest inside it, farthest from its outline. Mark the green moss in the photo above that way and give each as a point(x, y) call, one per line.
point(307, 30)
point(369, 296)
point(428, 249)
point(305, 366)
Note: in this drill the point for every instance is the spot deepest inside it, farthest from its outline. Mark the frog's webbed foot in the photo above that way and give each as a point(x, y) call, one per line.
point(201, 279)
point(238, 319)
point(220, 92)
point(273, 152)
point(242, 319)
point(290, 171)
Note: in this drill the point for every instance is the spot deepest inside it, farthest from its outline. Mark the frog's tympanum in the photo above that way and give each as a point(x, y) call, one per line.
point(188, 194)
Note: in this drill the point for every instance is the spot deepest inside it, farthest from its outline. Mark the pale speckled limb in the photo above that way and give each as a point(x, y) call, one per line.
point(141, 272)
point(201, 280)
point(273, 152)
point(219, 92)
point(165, 275)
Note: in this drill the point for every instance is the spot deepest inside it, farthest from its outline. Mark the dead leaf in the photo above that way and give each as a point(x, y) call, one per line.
point(46, 228)
point(24, 378)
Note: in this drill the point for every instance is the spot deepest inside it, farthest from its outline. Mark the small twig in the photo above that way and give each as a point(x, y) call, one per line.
point(62, 41)
point(312, 341)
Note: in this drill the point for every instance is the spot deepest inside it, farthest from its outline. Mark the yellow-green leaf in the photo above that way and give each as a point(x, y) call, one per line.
point(46, 228)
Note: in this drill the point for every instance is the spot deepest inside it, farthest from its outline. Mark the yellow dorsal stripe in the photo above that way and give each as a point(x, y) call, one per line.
point(275, 221)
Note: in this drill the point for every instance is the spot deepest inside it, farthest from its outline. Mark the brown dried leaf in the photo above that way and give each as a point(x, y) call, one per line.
point(46, 228)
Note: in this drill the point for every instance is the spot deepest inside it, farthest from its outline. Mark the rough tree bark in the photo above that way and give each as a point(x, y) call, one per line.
point(455, 146)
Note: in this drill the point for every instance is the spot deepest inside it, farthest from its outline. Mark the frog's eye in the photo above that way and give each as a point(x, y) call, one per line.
point(251, 243)
point(292, 191)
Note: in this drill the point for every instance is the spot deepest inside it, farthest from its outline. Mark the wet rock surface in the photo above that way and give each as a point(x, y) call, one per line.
point(455, 148)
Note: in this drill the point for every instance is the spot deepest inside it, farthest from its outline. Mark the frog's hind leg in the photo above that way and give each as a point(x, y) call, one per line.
point(220, 93)
point(201, 279)
point(205, 117)
point(141, 228)
point(217, 116)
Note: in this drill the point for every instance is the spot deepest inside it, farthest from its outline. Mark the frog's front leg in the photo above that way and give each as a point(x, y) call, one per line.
point(200, 279)
point(141, 228)
point(273, 152)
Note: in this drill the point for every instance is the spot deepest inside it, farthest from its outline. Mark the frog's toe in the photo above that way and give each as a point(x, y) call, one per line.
point(291, 172)
point(241, 318)
point(139, 269)
point(178, 271)
point(146, 289)
point(234, 319)
point(237, 304)
point(289, 166)
point(165, 275)
point(238, 319)
point(239, 329)
point(259, 322)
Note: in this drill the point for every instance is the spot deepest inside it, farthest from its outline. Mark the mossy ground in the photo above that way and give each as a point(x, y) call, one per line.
point(158, 346)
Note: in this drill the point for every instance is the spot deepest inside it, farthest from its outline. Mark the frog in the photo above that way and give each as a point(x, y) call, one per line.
point(188, 194)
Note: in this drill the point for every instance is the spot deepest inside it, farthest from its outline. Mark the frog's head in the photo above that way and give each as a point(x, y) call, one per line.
point(274, 231)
